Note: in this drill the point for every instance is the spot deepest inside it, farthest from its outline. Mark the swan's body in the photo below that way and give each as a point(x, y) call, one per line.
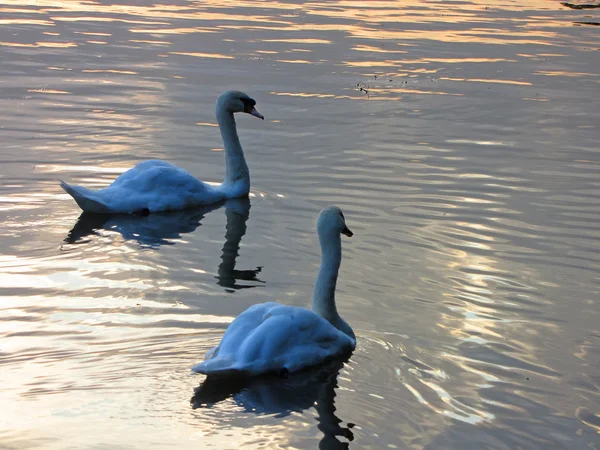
point(271, 337)
point(154, 185)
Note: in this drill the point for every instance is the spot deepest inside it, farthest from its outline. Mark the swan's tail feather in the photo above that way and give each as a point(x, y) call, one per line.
point(220, 368)
point(85, 199)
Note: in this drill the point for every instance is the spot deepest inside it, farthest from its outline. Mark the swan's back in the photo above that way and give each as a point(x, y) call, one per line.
point(151, 186)
point(158, 186)
point(270, 337)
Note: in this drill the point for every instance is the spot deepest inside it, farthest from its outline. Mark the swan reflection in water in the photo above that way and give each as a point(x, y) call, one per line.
point(282, 396)
point(237, 212)
point(154, 230)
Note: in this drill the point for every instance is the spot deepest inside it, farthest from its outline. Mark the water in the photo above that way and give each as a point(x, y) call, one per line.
point(461, 141)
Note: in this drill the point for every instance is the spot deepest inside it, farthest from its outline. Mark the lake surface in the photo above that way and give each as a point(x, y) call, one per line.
point(461, 140)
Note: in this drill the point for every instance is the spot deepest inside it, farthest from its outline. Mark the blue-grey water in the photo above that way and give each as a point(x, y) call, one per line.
point(461, 140)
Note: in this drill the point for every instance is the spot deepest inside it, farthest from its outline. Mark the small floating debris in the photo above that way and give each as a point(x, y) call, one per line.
point(580, 6)
point(363, 87)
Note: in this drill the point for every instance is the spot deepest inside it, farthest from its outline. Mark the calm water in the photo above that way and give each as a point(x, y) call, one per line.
point(461, 140)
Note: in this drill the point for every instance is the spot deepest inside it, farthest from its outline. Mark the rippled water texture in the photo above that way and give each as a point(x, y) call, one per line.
point(461, 140)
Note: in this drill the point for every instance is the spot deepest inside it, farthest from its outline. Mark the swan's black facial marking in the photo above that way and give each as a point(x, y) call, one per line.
point(345, 231)
point(249, 104)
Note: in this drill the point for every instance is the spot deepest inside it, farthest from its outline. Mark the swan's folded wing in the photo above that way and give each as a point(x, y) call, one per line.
point(157, 186)
point(271, 337)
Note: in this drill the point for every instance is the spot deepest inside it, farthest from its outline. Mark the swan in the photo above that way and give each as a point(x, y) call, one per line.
point(271, 337)
point(154, 185)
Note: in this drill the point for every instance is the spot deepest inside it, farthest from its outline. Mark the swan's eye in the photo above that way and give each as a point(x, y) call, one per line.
point(248, 104)
point(342, 214)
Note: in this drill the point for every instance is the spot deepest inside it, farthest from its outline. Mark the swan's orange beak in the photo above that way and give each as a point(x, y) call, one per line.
point(346, 231)
point(255, 113)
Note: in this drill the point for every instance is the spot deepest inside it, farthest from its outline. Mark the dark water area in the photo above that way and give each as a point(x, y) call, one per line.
point(461, 141)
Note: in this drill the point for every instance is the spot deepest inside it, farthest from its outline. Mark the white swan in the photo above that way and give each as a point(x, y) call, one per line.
point(271, 337)
point(154, 185)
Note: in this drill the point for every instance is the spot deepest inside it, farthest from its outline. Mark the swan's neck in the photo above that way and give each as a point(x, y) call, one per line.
point(323, 302)
point(237, 175)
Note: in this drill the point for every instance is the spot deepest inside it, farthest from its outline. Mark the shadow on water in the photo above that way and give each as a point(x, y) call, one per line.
point(283, 396)
point(154, 230)
point(151, 230)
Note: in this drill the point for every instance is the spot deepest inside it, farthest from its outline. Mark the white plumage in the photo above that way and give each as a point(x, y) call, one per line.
point(271, 337)
point(154, 185)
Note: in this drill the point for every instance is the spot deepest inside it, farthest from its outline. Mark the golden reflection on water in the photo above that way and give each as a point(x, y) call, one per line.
point(476, 80)
point(167, 31)
point(40, 44)
point(123, 72)
point(48, 91)
point(203, 55)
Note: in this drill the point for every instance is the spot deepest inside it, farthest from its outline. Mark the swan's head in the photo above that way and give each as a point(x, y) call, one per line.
point(332, 220)
point(237, 101)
